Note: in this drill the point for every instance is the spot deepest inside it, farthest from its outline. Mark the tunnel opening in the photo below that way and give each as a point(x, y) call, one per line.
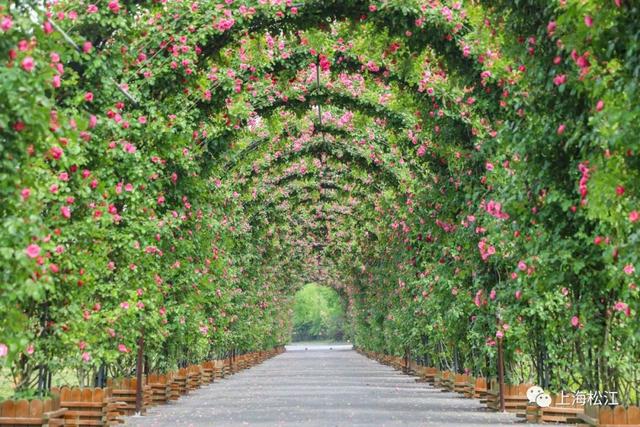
point(319, 315)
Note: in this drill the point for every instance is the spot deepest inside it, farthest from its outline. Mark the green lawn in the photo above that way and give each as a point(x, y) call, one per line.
point(66, 377)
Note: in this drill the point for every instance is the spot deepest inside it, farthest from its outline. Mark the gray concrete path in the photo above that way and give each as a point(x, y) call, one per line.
point(337, 387)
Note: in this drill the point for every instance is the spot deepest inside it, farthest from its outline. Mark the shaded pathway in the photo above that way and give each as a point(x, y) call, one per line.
point(321, 387)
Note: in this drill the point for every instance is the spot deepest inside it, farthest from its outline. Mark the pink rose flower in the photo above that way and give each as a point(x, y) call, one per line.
point(5, 25)
point(629, 269)
point(56, 152)
point(575, 321)
point(28, 64)
point(560, 79)
point(588, 21)
point(551, 27)
point(114, 6)
point(33, 251)
point(622, 306)
point(561, 129)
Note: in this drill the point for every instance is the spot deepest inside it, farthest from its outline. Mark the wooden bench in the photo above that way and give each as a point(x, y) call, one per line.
point(34, 413)
point(605, 416)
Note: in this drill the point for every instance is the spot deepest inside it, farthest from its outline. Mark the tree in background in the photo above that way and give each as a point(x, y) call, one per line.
point(318, 314)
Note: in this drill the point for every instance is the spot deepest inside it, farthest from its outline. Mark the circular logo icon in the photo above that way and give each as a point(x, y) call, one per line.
point(533, 392)
point(543, 400)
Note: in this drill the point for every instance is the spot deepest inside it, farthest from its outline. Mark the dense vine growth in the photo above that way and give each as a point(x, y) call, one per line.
point(461, 172)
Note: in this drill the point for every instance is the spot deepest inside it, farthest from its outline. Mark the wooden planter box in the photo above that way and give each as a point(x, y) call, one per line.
point(606, 416)
point(558, 412)
point(412, 367)
point(255, 359)
point(160, 385)
point(219, 370)
point(208, 371)
point(476, 389)
point(397, 363)
point(444, 380)
point(179, 384)
point(427, 374)
point(242, 362)
point(461, 383)
point(515, 398)
point(194, 377)
point(124, 390)
point(89, 406)
point(230, 366)
point(34, 413)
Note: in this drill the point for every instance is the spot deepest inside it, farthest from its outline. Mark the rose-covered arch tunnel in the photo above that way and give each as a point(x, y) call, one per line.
point(459, 171)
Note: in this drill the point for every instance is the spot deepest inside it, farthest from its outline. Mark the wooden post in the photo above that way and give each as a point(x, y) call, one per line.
point(139, 373)
point(501, 374)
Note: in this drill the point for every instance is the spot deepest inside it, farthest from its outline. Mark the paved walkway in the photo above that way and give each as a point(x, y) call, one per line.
point(320, 387)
